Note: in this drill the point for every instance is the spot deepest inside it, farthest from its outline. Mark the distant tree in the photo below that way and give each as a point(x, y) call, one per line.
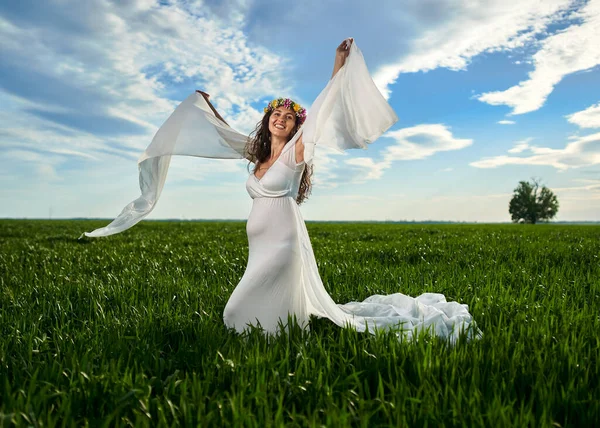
point(531, 204)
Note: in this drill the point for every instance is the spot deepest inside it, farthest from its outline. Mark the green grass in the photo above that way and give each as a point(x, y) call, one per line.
point(128, 330)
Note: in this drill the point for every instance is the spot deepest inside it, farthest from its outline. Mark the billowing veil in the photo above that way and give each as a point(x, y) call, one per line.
point(349, 113)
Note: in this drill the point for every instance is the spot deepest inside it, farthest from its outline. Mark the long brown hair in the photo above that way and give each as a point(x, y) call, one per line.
point(258, 149)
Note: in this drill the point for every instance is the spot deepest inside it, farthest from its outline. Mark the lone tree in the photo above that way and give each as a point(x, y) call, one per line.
point(531, 204)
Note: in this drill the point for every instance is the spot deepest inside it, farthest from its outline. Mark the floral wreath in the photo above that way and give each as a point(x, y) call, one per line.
point(288, 103)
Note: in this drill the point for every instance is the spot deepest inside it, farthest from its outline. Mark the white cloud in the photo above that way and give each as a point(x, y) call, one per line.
point(369, 169)
point(97, 78)
point(576, 197)
point(589, 186)
point(573, 49)
point(43, 166)
point(417, 142)
point(471, 29)
point(521, 146)
point(588, 118)
point(506, 122)
point(326, 167)
point(184, 168)
point(579, 152)
point(28, 132)
point(422, 141)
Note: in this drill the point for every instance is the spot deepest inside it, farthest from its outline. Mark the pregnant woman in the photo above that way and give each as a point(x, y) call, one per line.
point(281, 279)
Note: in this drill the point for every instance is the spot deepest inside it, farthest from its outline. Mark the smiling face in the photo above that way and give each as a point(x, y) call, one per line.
point(282, 122)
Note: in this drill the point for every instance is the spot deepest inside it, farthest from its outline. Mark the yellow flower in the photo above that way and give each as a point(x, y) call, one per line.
point(296, 107)
point(266, 109)
point(274, 103)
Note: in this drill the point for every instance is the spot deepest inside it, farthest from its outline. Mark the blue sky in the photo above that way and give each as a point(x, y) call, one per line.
point(488, 93)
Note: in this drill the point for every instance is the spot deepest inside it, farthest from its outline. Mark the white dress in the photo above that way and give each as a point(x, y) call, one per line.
point(282, 278)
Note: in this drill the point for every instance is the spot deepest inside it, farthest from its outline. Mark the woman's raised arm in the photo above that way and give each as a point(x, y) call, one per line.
point(206, 97)
point(218, 116)
point(299, 150)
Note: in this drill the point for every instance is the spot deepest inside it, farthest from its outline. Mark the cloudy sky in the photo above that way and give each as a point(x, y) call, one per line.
point(488, 93)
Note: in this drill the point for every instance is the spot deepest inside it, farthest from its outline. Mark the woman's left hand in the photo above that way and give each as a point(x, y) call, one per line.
point(341, 53)
point(343, 50)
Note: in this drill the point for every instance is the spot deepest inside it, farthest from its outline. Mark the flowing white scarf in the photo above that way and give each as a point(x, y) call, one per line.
point(349, 113)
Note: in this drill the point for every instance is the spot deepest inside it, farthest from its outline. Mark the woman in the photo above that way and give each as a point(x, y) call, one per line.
point(282, 278)
point(269, 291)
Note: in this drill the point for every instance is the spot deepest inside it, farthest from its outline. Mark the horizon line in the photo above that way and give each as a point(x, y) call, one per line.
point(307, 221)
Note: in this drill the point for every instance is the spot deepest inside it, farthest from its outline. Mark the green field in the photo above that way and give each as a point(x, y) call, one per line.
point(127, 330)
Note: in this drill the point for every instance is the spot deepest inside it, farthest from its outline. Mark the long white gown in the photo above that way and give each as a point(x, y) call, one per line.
point(282, 278)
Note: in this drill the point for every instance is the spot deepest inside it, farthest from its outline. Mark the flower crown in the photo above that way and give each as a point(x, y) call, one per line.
point(288, 103)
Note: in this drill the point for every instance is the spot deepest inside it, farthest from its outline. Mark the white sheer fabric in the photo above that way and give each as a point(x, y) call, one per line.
point(191, 130)
point(282, 277)
point(349, 113)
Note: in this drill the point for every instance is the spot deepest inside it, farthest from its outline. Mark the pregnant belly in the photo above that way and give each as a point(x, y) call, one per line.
point(271, 225)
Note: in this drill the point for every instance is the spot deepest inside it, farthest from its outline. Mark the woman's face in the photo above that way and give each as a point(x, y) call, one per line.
point(282, 122)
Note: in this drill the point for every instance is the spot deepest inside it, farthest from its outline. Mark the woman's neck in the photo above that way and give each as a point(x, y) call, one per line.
point(277, 144)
